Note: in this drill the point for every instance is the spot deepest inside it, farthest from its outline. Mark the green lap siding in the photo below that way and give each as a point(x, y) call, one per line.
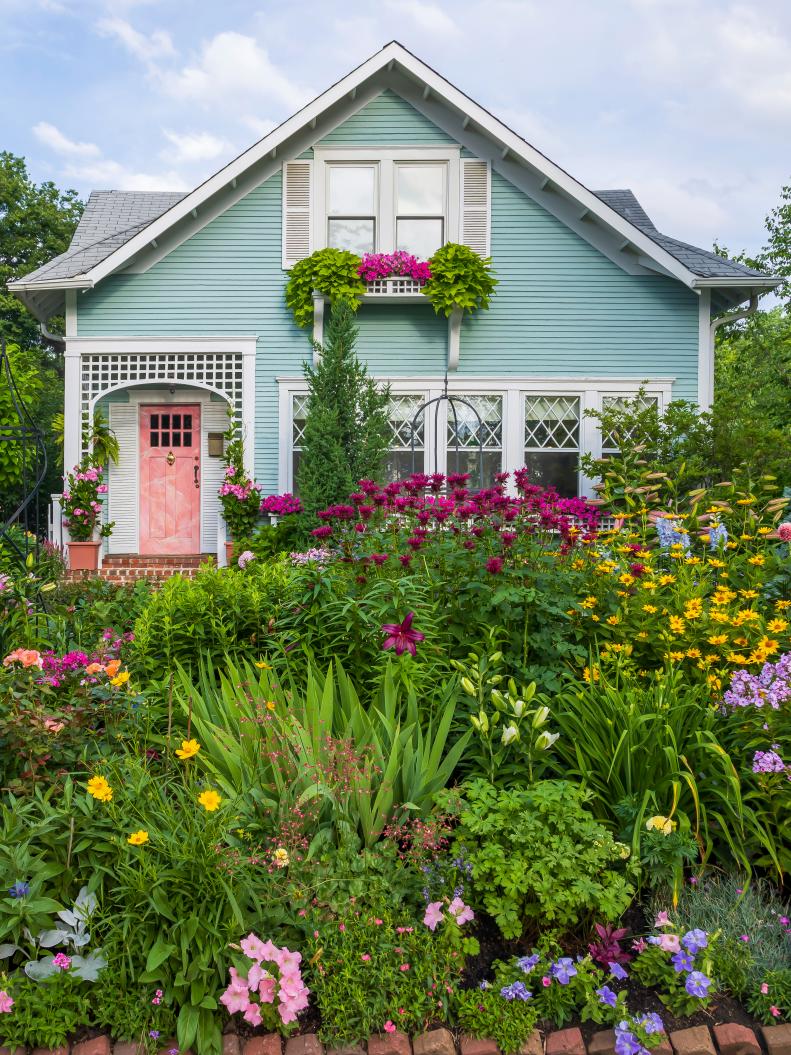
point(561, 309)
point(387, 121)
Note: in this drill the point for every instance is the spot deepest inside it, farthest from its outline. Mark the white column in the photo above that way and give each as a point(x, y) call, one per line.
point(248, 410)
point(72, 414)
point(705, 352)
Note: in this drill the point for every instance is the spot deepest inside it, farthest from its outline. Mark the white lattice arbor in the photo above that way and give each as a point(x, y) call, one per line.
point(97, 367)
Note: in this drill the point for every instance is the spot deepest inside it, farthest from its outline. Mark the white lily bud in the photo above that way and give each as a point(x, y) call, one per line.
point(510, 733)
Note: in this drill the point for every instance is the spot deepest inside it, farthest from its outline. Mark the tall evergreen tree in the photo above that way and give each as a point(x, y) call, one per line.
point(347, 430)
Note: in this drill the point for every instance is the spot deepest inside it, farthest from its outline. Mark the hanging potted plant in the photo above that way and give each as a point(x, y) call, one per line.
point(240, 496)
point(82, 514)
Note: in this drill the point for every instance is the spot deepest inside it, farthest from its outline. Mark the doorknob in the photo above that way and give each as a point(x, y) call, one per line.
point(196, 468)
point(170, 458)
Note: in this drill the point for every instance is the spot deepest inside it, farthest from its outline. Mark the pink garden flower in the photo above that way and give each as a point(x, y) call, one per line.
point(61, 961)
point(434, 915)
point(784, 532)
point(669, 943)
point(462, 913)
point(389, 1027)
point(6, 1002)
point(401, 636)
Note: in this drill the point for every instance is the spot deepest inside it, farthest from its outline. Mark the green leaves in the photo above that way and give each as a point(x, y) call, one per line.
point(332, 272)
point(459, 279)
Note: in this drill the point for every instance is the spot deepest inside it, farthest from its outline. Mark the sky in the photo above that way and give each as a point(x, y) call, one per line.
point(688, 102)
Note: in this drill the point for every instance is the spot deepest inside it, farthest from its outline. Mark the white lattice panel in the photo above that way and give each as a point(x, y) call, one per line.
point(402, 410)
point(219, 372)
point(552, 423)
point(469, 431)
point(394, 286)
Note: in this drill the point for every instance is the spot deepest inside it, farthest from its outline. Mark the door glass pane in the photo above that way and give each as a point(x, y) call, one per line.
point(187, 439)
point(351, 190)
point(176, 441)
point(188, 421)
point(422, 238)
point(552, 422)
point(155, 421)
point(166, 421)
point(466, 433)
point(356, 236)
point(153, 439)
point(165, 439)
point(177, 421)
point(421, 190)
point(399, 462)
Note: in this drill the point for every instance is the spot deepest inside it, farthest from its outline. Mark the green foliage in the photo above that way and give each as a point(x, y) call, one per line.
point(732, 906)
point(241, 506)
point(365, 972)
point(654, 968)
point(212, 615)
point(460, 278)
point(350, 769)
point(45, 1014)
point(36, 224)
point(332, 272)
point(539, 858)
point(647, 749)
point(129, 1014)
point(347, 431)
point(99, 438)
point(484, 1014)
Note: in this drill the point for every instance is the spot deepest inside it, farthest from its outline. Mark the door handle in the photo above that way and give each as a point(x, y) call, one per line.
point(196, 467)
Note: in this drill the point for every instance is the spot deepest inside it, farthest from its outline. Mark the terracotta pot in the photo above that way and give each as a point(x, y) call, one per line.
point(84, 556)
point(229, 553)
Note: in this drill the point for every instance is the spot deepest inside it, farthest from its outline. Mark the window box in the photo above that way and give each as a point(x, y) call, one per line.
point(396, 287)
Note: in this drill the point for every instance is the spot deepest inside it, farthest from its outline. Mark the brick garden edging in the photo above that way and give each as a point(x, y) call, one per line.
point(725, 1039)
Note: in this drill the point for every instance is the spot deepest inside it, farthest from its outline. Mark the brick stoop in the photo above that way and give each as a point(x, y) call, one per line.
point(125, 568)
point(442, 1042)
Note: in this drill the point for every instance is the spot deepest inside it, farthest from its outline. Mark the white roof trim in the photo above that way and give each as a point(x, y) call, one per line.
point(391, 55)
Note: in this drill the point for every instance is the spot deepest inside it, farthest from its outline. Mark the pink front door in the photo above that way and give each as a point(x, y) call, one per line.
point(170, 479)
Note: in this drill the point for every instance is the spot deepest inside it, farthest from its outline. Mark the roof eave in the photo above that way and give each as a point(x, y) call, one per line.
point(747, 282)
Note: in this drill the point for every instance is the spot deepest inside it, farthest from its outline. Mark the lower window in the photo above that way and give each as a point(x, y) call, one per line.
point(403, 458)
point(475, 438)
point(552, 442)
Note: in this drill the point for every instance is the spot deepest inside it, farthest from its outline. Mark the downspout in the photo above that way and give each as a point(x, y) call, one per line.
point(54, 338)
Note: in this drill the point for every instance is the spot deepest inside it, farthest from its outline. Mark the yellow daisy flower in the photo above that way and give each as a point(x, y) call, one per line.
point(188, 749)
point(100, 789)
point(138, 838)
point(210, 800)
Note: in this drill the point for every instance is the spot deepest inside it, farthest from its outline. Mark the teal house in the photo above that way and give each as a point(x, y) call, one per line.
point(175, 311)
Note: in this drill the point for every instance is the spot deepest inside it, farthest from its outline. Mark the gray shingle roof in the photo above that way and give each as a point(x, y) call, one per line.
point(700, 262)
point(111, 219)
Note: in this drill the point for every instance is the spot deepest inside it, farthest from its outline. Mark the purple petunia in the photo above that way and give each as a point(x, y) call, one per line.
point(617, 971)
point(695, 940)
point(516, 991)
point(564, 970)
point(697, 984)
point(682, 961)
point(607, 996)
point(527, 963)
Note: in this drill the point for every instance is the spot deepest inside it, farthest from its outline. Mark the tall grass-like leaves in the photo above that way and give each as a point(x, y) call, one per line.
point(652, 748)
point(403, 747)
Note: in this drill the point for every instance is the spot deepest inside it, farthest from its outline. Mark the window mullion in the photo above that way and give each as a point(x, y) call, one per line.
point(386, 206)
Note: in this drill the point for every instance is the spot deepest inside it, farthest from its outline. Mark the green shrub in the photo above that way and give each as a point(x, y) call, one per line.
point(217, 613)
point(332, 272)
point(539, 858)
point(45, 1014)
point(459, 278)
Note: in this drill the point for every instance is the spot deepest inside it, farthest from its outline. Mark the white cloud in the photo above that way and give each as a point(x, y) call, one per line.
point(428, 17)
point(190, 147)
point(110, 175)
point(233, 70)
point(53, 138)
point(148, 49)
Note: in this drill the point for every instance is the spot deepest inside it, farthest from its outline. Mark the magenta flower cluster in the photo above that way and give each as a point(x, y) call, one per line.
point(385, 265)
point(281, 505)
point(71, 667)
point(283, 987)
point(80, 501)
point(422, 510)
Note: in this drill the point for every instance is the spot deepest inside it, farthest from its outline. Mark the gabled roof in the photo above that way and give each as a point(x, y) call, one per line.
point(119, 226)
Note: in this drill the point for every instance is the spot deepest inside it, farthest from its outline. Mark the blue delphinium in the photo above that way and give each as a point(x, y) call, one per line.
point(19, 889)
point(718, 536)
point(670, 534)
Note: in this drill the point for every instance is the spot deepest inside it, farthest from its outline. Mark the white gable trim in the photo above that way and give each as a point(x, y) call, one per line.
point(395, 59)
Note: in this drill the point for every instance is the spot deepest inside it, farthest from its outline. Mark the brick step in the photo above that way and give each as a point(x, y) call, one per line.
point(136, 560)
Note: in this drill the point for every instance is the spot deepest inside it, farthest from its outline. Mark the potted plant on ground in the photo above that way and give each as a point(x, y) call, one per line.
point(82, 513)
point(240, 496)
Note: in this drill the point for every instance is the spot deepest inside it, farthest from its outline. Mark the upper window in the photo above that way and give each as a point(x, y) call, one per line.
point(351, 208)
point(420, 208)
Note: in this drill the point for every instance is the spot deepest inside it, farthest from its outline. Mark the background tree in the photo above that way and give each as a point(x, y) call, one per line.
point(347, 429)
point(36, 224)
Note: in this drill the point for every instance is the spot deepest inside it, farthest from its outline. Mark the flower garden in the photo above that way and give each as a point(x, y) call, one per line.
point(494, 761)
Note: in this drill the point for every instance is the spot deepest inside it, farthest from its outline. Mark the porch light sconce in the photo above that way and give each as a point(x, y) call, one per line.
point(215, 444)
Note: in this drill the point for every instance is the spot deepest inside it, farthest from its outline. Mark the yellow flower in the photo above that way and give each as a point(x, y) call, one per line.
point(675, 657)
point(693, 653)
point(650, 608)
point(693, 608)
point(188, 749)
point(262, 666)
point(666, 580)
point(748, 595)
point(745, 501)
point(693, 560)
point(777, 626)
point(764, 530)
point(716, 563)
point(717, 639)
point(578, 564)
point(590, 675)
point(120, 679)
point(613, 620)
point(782, 605)
point(626, 579)
point(677, 624)
point(660, 824)
point(714, 681)
point(270, 705)
point(281, 858)
point(758, 559)
point(138, 838)
point(210, 800)
point(589, 602)
point(100, 789)
point(767, 644)
point(643, 635)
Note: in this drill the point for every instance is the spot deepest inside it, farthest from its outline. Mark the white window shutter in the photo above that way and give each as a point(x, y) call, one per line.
point(297, 219)
point(476, 205)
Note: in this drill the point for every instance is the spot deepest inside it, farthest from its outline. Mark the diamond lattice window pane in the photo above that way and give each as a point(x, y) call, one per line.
point(402, 410)
point(464, 428)
point(609, 443)
point(299, 414)
point(552, 423)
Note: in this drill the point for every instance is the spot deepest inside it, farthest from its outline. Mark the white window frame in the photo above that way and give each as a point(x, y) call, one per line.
point(591, 392)
point(386, 202)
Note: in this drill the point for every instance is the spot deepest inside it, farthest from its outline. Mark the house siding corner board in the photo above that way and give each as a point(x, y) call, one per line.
point(561, 309)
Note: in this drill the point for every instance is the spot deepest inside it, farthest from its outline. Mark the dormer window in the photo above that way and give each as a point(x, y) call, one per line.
point(421, 208)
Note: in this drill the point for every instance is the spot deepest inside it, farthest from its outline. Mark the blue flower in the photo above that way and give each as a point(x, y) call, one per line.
point(564, 970)
point(527, 963)
point(697, 984)
point(718, 535)
point(626, 1043)
point(670, 534)
point(682, 961)
point(607, 996)
point(19, 889)
point(617, 971)
point(516, 991)
point(695, 940)
point(652, 1023)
